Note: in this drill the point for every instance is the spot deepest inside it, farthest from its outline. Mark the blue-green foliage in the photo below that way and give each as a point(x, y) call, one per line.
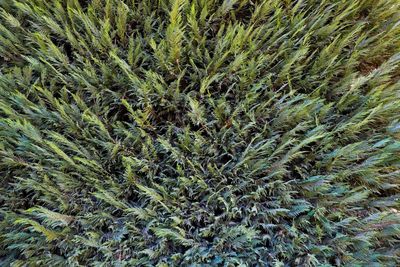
point(199, 133)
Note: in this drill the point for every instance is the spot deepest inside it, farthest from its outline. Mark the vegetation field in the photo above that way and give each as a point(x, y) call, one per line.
point(200, 133)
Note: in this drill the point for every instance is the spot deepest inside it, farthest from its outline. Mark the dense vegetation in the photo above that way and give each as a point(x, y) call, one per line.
point(199, 133)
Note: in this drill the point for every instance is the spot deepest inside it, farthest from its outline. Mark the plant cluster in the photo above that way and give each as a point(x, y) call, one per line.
point(199, 133)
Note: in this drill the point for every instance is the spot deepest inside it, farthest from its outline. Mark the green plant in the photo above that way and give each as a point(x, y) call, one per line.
point(199, 133)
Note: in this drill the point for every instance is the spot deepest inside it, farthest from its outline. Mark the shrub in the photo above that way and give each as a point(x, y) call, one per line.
point(199, 133)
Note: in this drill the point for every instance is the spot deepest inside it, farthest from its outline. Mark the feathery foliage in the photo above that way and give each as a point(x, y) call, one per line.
point(199, 133)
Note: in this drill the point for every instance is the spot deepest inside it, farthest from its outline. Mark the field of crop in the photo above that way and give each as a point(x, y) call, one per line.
point(200, 133)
